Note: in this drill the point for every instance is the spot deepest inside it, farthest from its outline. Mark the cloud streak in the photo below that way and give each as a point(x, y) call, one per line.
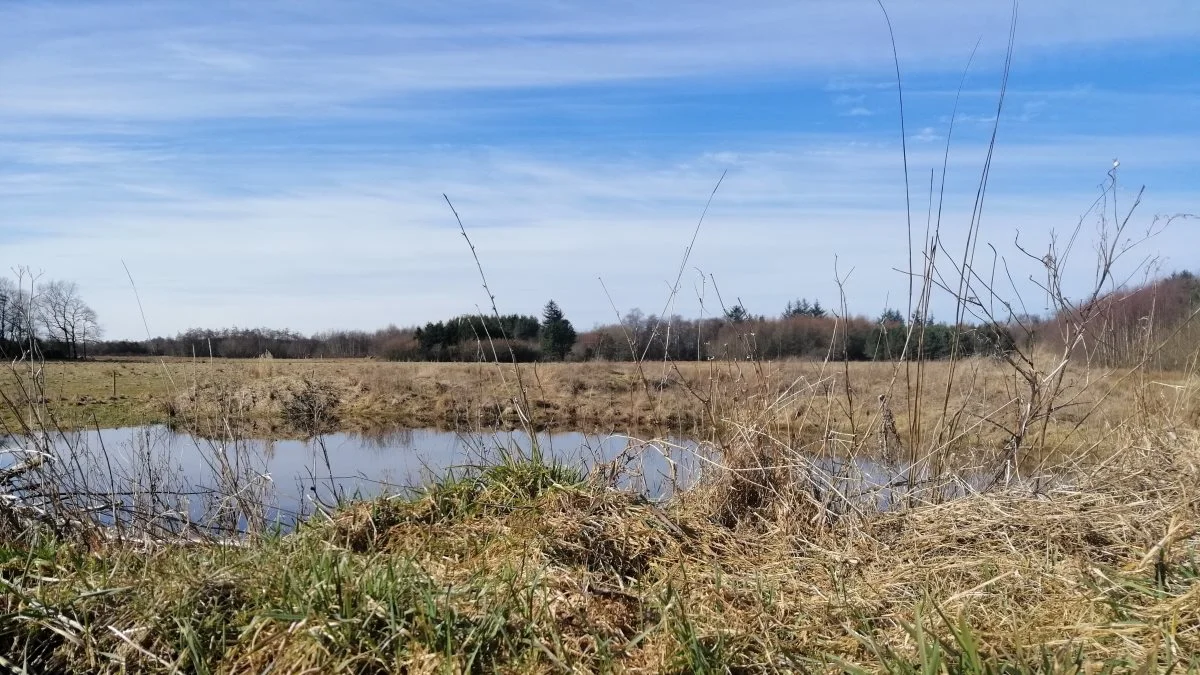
point(172, 60)
point(376, 241)
point(281, 163)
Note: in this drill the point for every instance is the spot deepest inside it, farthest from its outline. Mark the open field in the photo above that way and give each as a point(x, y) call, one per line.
point(533, 568)
point(1023, 528)
point(801, 399)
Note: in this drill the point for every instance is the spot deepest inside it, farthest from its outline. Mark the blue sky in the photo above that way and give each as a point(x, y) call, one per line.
point(282, 163)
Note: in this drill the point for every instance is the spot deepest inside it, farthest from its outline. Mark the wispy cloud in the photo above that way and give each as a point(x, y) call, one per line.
point(1030, 110)
point(346, 245)
point(926, 135)
point(282, 163)
point(173, 60)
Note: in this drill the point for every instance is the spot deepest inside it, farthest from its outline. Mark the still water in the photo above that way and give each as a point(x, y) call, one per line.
point(295, 477)
point(233, 483)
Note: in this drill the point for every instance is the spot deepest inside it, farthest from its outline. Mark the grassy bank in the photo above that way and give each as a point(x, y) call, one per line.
point(366, 394)
point(1076, 553)
point(527, 567)
point(1020, 527)
point(801, 399)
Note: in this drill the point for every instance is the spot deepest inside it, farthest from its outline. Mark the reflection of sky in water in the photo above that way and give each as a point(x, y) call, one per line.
point(351, 465)
point(291, 476)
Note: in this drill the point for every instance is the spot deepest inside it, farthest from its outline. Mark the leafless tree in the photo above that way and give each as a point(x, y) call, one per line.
point(18, 302)
point(8, 303)
point(90, 330)
point(66, 317)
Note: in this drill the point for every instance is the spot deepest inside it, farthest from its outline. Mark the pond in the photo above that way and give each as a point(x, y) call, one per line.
point(293, 478)
point(234, 484)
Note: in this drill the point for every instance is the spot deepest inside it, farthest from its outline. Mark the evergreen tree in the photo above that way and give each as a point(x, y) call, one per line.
point(802, 308)
point(558, 335)
point(737, 314)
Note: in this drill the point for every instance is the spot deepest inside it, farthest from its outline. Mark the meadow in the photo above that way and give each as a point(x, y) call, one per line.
point(1023, 529)
point(275, 397)
point(1031, 507)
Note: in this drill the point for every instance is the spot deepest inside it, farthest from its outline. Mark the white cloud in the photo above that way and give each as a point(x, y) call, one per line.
point(123, 137)
point(362, 245)
point(927, 135)
point(174, 60)
point(1030, 110)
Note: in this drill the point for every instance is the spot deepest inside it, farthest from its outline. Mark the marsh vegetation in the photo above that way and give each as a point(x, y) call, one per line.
point(1000, 492)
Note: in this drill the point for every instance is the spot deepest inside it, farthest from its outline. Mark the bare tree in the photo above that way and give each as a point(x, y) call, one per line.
point(66, 317)
point(18, 313)
point(89, 330)
point(8, 303)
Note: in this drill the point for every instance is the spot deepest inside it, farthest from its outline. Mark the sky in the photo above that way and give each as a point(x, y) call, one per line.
point(283, 163)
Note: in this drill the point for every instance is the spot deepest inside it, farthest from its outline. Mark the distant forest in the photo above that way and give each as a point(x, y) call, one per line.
point(66, 328)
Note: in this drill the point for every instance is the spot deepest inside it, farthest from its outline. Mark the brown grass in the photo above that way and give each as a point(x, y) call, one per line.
point(767, 564)
point(799, 400)
point(529, 571)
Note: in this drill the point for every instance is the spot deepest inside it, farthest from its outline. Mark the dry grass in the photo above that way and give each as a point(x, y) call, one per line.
point(530, 567)
point(774, 561)
point(1023, 516)
point(798, 400)
point(1078, 557)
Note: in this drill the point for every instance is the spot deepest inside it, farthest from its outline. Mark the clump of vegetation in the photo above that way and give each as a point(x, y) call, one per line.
point(528, 566)
point(312, 408)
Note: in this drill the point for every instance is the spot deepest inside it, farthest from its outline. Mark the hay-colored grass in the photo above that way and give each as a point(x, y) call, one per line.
point(532, 568)
point(802, 400)
point(1080, 556)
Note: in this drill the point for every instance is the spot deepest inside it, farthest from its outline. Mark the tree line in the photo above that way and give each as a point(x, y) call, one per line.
point(462, 338)
point(739, 335)
point(54, 317)
point(803, 330)
point(50, 316)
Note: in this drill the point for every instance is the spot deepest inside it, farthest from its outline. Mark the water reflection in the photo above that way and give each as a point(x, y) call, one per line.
point(155, 470)
point(294, 477)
